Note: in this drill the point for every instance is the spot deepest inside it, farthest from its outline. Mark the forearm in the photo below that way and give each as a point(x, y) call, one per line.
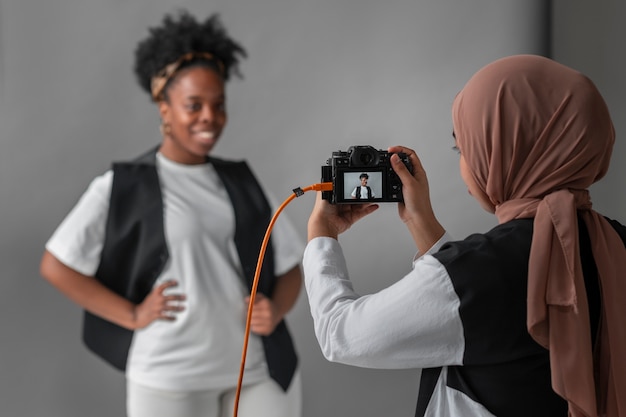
point(287, 290)
point(318, 228)
point(88, 292)
point(425, 231)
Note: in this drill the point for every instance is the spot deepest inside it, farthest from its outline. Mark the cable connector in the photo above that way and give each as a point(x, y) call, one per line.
point(323, 186)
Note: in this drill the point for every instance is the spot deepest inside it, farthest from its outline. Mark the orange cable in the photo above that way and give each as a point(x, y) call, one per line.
point(325, 186)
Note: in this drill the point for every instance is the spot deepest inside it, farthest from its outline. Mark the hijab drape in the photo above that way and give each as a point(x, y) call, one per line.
point(535, 135)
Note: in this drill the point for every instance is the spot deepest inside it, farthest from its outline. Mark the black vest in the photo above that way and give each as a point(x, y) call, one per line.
point(369, 192)
point(503, 369)
point(135, 253)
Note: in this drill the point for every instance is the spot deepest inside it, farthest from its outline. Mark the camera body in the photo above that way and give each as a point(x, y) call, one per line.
point(363, 174)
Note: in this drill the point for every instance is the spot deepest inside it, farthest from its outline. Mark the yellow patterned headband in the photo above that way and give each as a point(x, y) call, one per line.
point(159, 81)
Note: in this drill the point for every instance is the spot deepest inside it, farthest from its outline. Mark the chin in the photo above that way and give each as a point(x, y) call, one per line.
point(204, 150)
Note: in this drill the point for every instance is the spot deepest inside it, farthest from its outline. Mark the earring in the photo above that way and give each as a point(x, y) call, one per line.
point(165, 128)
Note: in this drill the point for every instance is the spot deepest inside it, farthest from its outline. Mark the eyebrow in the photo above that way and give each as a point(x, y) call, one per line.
point(220, 96)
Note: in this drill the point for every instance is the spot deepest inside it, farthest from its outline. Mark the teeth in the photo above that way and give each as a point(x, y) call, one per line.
point(206, 135)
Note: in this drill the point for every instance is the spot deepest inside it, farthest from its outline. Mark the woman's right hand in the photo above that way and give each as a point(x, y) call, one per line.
point(94, 297)
point(159, 306)
point(416, 211)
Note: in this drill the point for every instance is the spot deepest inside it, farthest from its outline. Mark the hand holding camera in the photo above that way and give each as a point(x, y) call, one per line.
point(401, 180)
point(416, 212)
point(363, 174)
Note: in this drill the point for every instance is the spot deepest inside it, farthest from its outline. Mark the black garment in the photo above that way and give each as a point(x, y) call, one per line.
point(358, 192)
point(135, 253)
point(504, 369)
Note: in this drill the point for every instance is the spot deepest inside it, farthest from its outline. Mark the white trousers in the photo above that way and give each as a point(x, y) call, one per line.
point(264, 399)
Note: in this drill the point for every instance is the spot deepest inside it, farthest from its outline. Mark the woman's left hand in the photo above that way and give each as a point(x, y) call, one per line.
point(265, 316)
point(331, 220)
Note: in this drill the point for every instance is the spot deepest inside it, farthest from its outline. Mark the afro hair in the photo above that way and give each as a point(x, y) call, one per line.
point(179, 35)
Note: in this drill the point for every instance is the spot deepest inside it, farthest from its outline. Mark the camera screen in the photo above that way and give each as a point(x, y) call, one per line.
point(364, 185)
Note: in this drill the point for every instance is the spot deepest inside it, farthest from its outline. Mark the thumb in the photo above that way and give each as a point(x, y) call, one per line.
point(400, 169)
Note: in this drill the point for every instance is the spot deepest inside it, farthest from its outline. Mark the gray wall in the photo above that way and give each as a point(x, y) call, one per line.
point(589, 36)
point(322, 75)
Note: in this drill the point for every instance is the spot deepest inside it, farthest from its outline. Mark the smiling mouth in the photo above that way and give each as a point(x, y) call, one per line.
point(206, 136)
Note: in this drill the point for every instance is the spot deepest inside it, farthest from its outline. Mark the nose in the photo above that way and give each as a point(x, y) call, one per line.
point(207, 114)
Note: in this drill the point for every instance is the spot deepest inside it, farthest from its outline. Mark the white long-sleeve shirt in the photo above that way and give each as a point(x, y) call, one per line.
point(409, 334)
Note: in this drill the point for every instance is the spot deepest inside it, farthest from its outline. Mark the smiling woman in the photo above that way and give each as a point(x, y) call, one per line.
point(193, 115)
point(153, 295)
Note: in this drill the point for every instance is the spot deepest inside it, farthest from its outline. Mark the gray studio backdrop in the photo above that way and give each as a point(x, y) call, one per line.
point(321, 75)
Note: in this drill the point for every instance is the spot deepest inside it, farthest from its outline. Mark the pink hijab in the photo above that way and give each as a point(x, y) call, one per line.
point(535, 135)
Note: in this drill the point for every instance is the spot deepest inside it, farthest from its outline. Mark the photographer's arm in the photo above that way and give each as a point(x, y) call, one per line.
point(416, 211)
point(413, 323)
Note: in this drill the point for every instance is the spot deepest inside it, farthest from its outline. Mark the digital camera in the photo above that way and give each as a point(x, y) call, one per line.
point(363, 174)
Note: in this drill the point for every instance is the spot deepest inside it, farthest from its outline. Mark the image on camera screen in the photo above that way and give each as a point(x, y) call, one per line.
point(365, 185)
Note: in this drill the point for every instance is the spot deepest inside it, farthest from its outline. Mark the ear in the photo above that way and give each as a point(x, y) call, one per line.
point(164, 110)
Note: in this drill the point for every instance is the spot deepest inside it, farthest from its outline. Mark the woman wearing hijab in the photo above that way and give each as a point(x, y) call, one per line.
point(525, 319)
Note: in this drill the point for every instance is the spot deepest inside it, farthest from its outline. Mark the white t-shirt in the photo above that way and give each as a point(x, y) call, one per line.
point(202, 348)
point(364, 192)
